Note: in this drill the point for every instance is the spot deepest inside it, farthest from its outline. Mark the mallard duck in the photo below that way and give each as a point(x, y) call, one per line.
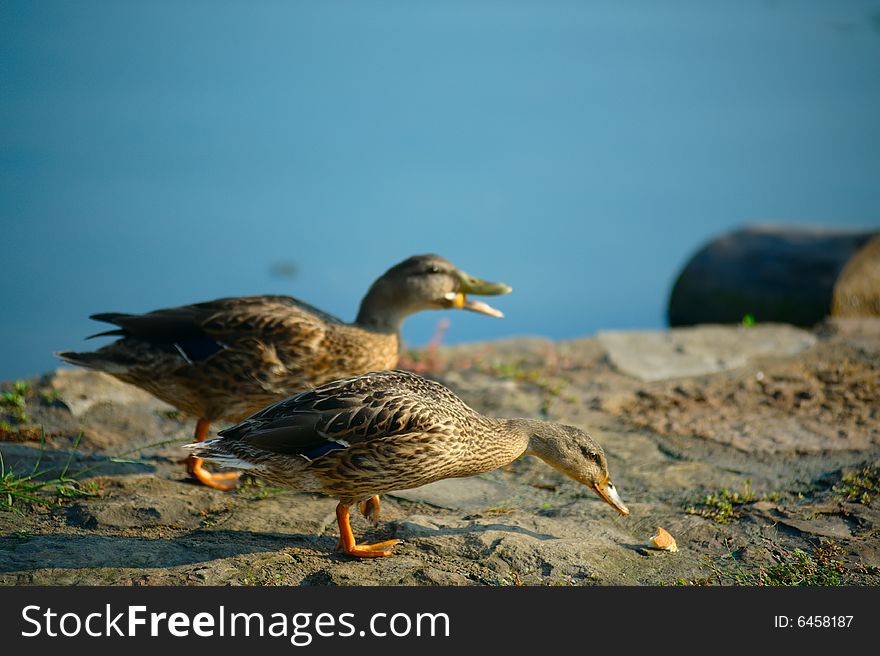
point(393, 430)
point(227, 358)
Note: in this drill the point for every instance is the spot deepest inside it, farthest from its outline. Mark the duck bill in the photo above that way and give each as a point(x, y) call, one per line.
point(468, 284)
point(609, 495)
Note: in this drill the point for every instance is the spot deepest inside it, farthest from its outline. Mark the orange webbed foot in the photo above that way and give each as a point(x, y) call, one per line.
point(224, 481)
point(376, 550)
point(348, 545)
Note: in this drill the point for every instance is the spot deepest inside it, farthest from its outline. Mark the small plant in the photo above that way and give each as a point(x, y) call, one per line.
point(14, 402)
point(823, 567)
point(212, 518)
point(31, 488)
point(749, 320)
point(861, 485)
point(50, 396)
point(36, 487)
point(700, 582)
point(427, 359)
point(255, 488)
point(724, 506)
point(258, 579)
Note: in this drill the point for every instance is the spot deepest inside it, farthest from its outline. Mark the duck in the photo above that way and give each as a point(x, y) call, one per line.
point(367, 435)
point(226, 359)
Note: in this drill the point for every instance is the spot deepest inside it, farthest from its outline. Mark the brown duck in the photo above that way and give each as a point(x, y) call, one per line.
point(227, 358)
point(360, 437)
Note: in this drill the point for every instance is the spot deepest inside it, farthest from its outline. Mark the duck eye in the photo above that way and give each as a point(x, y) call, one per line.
point(432, 269)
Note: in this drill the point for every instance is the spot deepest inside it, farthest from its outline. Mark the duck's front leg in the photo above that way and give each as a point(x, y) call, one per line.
point(195, 465)
point(347, 543)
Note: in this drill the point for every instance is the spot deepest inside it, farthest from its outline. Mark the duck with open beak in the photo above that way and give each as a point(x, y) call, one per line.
point(468, 284)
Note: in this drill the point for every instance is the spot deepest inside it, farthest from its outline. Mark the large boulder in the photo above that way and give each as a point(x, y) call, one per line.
point(779, 274)
point(857, 290)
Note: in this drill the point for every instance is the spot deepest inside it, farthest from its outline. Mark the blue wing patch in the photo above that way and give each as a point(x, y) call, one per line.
point(197, 349)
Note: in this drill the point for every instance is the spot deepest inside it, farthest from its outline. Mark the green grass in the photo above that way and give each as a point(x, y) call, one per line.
point(212, 518)
point(38, 487)
point(725, 506)
point(823, 566)
point(860, 485)
point(255, 488)
point(32, 488)
point(50, 396)
point(262, 579)
point(13, 402)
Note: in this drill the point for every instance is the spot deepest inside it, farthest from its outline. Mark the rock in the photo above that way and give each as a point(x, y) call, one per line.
point(857, 290)
point(144, 501)
point(659, 355)
point(784, 274)
point(495, 397)
point(459, 494)
point(80, 390)
point(828, 527)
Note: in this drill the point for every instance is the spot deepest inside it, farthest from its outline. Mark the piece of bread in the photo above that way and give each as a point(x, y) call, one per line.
point(663, 540)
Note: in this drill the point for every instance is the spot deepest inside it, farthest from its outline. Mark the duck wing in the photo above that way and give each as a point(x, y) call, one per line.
point(200, 330)
point(347, 412)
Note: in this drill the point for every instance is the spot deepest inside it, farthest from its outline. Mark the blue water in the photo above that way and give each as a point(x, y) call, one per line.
point(161, 153)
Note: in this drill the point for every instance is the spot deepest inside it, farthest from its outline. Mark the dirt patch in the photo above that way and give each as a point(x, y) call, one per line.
point(825, 401)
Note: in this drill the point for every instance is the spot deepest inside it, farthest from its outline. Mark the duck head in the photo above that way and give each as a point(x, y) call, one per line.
point(578, 456)
point(425, 282)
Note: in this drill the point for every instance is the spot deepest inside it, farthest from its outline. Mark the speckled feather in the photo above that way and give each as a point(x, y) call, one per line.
point(389, 430)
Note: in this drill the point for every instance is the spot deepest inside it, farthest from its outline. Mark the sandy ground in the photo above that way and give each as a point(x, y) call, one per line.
point(795, 436)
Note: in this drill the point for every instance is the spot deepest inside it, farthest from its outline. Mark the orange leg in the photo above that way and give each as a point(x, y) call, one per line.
point(349, 546)
point(370, 509)
point(195, 465)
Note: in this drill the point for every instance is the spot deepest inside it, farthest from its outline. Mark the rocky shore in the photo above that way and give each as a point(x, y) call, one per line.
point(757, 448)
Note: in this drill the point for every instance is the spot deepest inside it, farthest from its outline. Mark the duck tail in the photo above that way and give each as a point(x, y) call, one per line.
point(92, 360)
point(215, 451)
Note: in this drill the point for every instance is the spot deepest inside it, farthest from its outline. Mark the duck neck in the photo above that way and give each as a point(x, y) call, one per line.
point(496, 443)
point(533, 435)
point(380, 313)
point(520, 433)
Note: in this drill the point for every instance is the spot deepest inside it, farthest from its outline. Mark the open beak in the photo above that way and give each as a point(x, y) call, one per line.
point(606, 490)
point(470, 285)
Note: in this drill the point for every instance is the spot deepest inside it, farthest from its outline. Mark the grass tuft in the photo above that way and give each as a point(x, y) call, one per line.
point(36, 487)
point(724, 506)
point(822, 567)
point(31, 488)
point(860, 485)
point(13, 402)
